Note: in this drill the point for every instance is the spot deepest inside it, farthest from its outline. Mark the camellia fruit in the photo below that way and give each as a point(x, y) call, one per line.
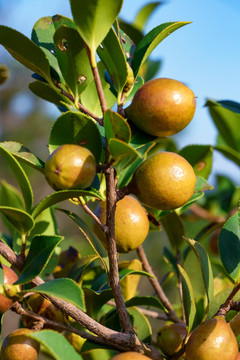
point(131, 224)
point(162, 107)
point(70, 167)
point(213, 339)
point(19, 346)
point(130, 355)
point(170, 338)
point(164, 181)
point(9, 278)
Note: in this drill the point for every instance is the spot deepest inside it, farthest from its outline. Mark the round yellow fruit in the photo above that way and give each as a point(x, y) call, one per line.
point(164, 181)
point(130, 355)
point(131, 224)
point(70, 166)
point(18, 346)
point(213, 339)
point(170, 338)
point(162, 107)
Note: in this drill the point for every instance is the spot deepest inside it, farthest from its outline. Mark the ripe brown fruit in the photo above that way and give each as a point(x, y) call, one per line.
point(170, 338)
point(70, 166)
point(162, 107)
point(130, 355)
point(164, 181)
point(131, 224)
point(18, 346)
point(213, 339)
point(9, 278)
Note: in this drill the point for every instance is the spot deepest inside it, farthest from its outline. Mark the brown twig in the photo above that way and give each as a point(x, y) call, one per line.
point(94, 217)
point(204, 214)
point(157, 287)
point(229, 303)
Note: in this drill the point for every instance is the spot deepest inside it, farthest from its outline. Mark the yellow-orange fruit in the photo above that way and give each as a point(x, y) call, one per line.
point(213, 339)
point(9, 278)
point(162, 107)
point(130, 283)
point(70, 166)
point(130, 355)
point(18, 346)
point(164, 181)
point(170, 338)
point(131, 224)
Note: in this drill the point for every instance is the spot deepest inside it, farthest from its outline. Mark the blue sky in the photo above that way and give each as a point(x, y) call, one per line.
point(205, 54)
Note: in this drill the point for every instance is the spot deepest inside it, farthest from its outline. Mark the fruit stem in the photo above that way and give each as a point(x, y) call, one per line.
point(157, 287)
point(224, 308)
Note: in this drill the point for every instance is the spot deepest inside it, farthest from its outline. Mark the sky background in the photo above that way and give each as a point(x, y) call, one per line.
point(205, 55)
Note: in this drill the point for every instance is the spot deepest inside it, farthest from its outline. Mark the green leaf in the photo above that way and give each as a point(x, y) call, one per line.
point(95, 301)
point(174, 228)
point(94, 20)
point(113, 57)
point(202, 185)
point(151, 40)
point(20, 175)
point(188, 298)
point(150, 69)
point(90, 99)
point(229, 247)
point(127, 45)
point(145, 301)
point(120, 149)
point(229, 152)
point(45, 224)
point(23, 154)
point(10, 196)
point(200, 157)
point(56, 344)
point(76, 128)
point(116, 126)
point(227, 123)
point(139, 81)
point(218, 300)
point(73, 60)
point(42, 34)
point(40, 252)
point(77, 271)
point(19, 219)
point(91, 238)
point(25, 51)
point(144, 13)
point(135, 34)
point(62, 195)
point(205, 265)
point(65, 289)
point(46, 92)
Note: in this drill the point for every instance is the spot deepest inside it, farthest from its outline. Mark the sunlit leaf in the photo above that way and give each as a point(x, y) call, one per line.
point(18, 218)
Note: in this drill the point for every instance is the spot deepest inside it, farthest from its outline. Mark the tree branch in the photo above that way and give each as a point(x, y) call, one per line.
point(157, 287)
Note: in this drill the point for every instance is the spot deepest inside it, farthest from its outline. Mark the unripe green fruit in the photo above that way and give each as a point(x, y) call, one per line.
point(213, 339)
point(9, 278)
point(70, 166)
point(130, 355)
point(164, 181)
point(170, 338)
point(131, 224)
point(18, 346)
point(162, 107)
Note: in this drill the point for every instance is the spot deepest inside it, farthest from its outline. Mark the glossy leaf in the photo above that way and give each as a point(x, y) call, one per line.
point(73, 59)
point(91, 238)
point(94, 20)
point(116, 126)
point(90, 99)
point(56, 344)
point(150, 69)
point(46, 92)
point(135, 34)
point(42, 34)
point(40, 252)
point(188, 298)
point(229, 152)
point(10, 196)
point(126, 173)
point(65, 289)
point(200, 157)
point(174, 228)
point(25, 51)
point(205, 265)
point(170, 258)
point(229, 247)
point(145, 301)
point(113, 57)
point(76, 128)
point(19, 219)
point(227, 122)
point(220, 299)
point(151, 40)
point(120, 149)
point(144, 14)
point(23, 154)
point(202, 185)
point(20, 175)
point(139, 81)
point(127, 45)
point(95, 301)
point(62, 195)
point(77, 271)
